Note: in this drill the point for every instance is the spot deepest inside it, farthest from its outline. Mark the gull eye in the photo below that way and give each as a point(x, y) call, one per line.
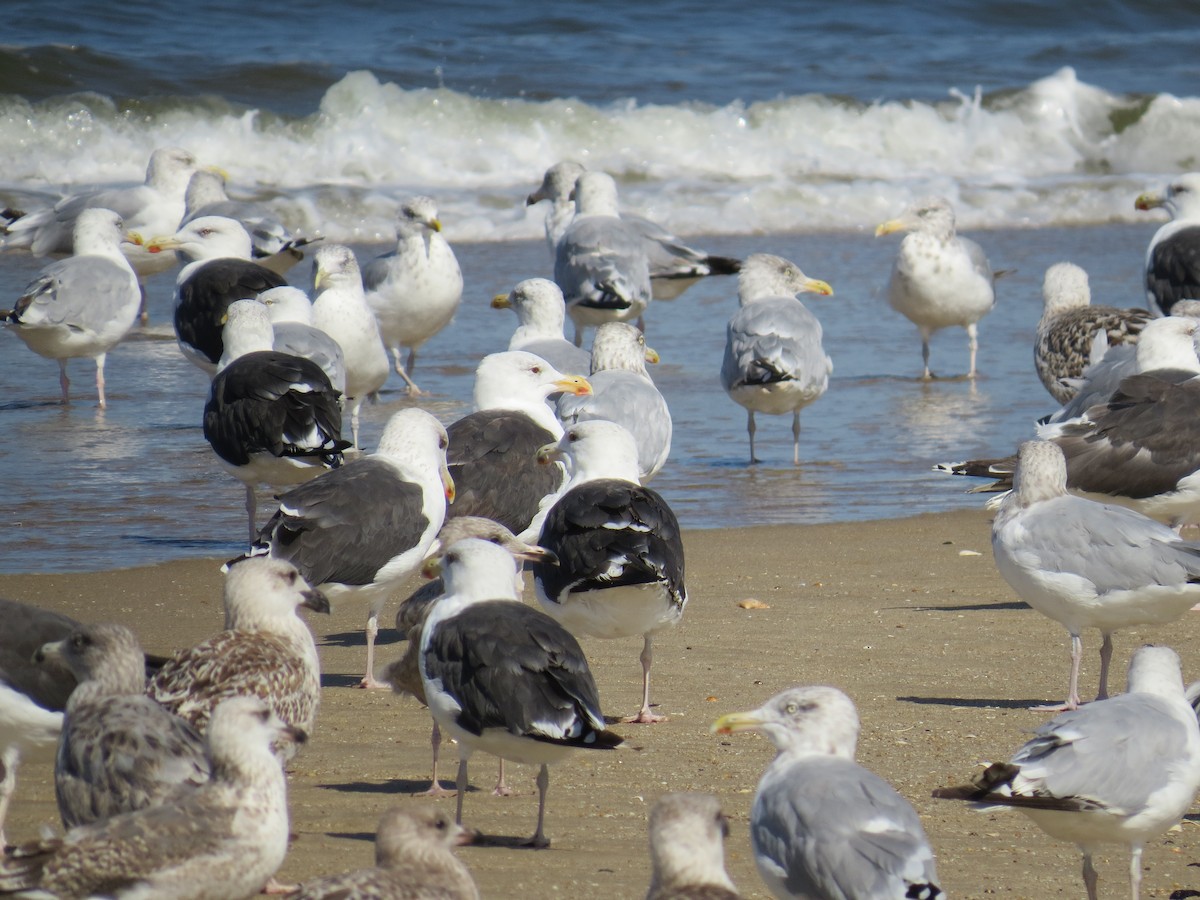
point(536, 370)
point(792, 708)
point(79, 640)
point(572, 436)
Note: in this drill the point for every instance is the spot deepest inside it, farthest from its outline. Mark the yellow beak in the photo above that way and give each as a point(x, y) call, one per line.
point(732, 723)
point(1149, 200)
point(816, 286)
point(447, 484)
point(574, 384)
point(651, 355)
point(501, 301)
point(431, 568)
point(889, 227)
point(548, 453)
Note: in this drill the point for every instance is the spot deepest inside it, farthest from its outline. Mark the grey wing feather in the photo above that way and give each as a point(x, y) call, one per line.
point(599, 258)
point(631, 401)
point(773, 340)
point(82, 290)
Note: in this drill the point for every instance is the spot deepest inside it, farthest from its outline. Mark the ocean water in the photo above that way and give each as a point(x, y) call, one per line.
point(790, 127)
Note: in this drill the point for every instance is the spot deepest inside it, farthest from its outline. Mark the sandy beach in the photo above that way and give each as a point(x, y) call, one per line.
point(909, 617)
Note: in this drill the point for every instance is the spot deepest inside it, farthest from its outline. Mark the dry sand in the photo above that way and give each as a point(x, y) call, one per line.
point(909, 617)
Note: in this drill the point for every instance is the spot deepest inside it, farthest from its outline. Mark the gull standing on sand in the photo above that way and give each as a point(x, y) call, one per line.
point(600, 263)
point(84, 305)
point(623, 392)
point(822, 827)
point(938, 279)
point(774, 362)
point(1070, 327)
point(687, 849)
point(225, 839)
point(413, 861)
point(415, 290)
point(1087, 564)
point(619, 550)
point(119, 750)
point(340, 309)
point(541, 312)
point(219, 272)
point(1173, 256)
point(1118, 771)
point(358, 531)
point(503, 677)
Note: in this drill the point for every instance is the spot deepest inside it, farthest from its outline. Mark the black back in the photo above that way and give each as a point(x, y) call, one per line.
point(202, 299)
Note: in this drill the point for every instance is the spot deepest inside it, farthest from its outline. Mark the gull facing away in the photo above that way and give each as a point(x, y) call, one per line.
point(1117, 771)
point(221, 841)
point(503, 677)
point(1087, 564)
point(84, 305)
point(1172, 261)
point(822, 827)
point(359, 530)
point(541, 313)
point(939, 279)
point(413, 861)
point(774, 362)
point(687, 849)
point(415, 290)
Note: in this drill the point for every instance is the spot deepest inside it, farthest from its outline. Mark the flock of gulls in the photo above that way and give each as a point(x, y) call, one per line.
point(170, 774)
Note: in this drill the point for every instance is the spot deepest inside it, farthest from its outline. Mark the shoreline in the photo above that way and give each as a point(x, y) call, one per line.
point(909, 616)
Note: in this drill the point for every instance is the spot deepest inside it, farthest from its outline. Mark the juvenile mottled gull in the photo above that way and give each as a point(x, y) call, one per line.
point(601, 263)
point(774, 362)
point(938, 279)
point(541, 312)
point(81, 306)
point(821, 825)
point(360, 530)
point(503, 677)
point(224, 839)
point(119, 750)
point(271, 418)
point(416, 289)
point(619, 550)
point(1173, 256)
point(1118, 771)
point(1070, 326)
point(687, 849)
point(1087, 564)
point(413, 861)
point(623, 392)
point(266, 650)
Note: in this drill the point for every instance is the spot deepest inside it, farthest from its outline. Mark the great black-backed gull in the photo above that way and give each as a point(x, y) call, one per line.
point(939, 279)
point(271, 418)
point(360, 530)
point(623, 392)
point(541, 312)
point(84, 305)
point(774, 362)
point(1086, 564)
point(502, 677)
point(687, 849)
point(1173, 256)
point(620, 562)
point(821, 825)
point(1119, 771)
point(224, 839)
point(415, 290)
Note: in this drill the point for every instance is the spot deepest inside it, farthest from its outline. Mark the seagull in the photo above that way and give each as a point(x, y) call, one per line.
point(541, 312)
point(291, 315)
point(623, 392)
point(266, 650)
point(415, 290)
point(620, 561)
point(938, 279)
point(600, 263)
point(404, 675)
point(84, 305)
point(271, 418)
point(1087, 564)
point(687, 849)
point(272, 244)
point(674, 266)
point(225, 838)
point(1070, 326)
point(1118, 771)
point(1172, 268)
point(492, 455)
point(821, 825)
point(503, 677)
point(360, 530)
point(219, 272)
point(774, 361)
point(340, 309)
point(413, 861)
point(119, 749)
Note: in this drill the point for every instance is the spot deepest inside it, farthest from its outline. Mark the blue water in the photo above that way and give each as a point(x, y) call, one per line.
point(787, 127)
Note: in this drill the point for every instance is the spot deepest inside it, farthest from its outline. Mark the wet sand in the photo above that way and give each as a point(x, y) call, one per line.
point(908, 616)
